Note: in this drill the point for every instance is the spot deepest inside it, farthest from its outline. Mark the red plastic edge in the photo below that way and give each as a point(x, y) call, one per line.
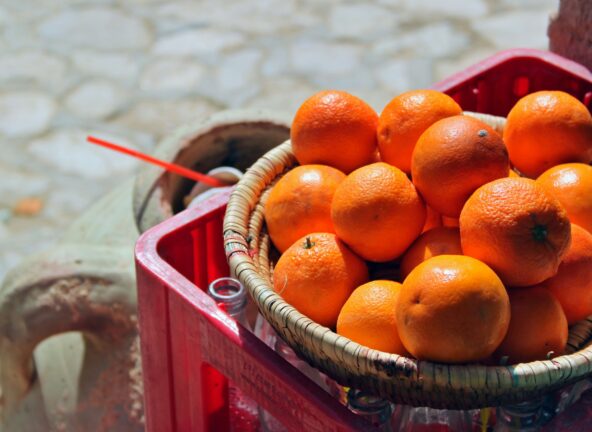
point(569, 66)
point(314, 407)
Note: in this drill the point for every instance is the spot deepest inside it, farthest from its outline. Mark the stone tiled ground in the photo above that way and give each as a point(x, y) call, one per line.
point(132, 70)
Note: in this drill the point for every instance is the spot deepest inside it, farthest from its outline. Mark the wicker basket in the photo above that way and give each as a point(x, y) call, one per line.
point(400, 379)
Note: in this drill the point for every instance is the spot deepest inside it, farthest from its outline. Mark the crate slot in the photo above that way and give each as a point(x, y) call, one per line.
point(521, 86)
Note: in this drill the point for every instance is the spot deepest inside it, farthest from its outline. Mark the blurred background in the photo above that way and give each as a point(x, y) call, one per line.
point(133, 70)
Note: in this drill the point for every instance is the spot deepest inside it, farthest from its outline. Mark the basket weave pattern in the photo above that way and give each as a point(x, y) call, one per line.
point(400, 379)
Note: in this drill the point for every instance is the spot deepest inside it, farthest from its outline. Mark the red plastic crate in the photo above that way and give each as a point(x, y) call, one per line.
point(189, 345)
point(495, 84)
point(187, 341)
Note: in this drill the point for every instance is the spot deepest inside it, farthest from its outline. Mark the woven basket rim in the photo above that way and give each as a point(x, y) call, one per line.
point(538, 375)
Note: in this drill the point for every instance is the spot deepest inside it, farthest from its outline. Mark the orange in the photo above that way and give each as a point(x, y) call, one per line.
point(405, 118)
point(317, 274)
point(437, 241)
point(537, 327)
point(516, 228)
point(300, 203)
point(452, 158)
point(377, 212)
point(452, 309)
point(433, 219)
point(335, 128)
point(572, 285)
point(548, 128)
point(368, 317)
point(571, 184)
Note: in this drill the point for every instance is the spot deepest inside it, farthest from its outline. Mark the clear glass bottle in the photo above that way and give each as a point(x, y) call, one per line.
point(524, 417)
point(534, 414)
point(231, 295)
point(419, 419)
point(571, 394)
point(373, 409)
point(267, 334)
point(574, 410)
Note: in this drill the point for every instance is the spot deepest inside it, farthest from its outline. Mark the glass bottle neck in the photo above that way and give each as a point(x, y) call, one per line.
point(525, 416)
point(231, 295)
point(375, 410)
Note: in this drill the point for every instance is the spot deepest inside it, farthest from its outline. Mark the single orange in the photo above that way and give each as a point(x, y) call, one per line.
point(548, 128)
point(377, 212)
point(452, 309)
point(571, 184)
point(317, 274)
point(300, 203)
point(437, 241)
point(335, 128)
point(452, 158)
point(572, 285)
point(538, 328)
point(405, 118)
point(368, 317)
point(516, 228)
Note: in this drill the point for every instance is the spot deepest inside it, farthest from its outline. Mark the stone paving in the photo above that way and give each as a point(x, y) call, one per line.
point(132, 70)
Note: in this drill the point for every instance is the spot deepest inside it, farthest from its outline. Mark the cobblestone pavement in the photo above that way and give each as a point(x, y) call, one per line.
point(132, 70)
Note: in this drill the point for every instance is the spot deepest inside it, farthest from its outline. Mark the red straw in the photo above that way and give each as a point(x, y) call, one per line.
point(169, 166)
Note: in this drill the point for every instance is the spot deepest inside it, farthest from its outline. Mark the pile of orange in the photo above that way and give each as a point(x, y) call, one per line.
point(489, 234)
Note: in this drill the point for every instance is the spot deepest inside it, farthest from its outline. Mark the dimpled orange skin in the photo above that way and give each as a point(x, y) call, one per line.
point(452, 158)
point(335, 128)
point(437, 241)
point(452, 309)
point(316, 276)
point(377, 212)
point(548, 128)
point(368, 317)
point(517, 229)
point(537, 327)
point(572, 285)
point(571, 184)
point(300, 203)
point(405, 118)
